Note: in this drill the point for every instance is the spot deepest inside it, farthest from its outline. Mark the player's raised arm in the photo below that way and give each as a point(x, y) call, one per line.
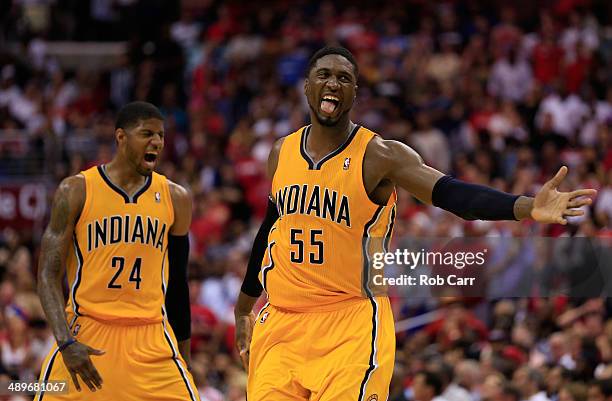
point(402, 165)
point(251, 287)
point(177, 293)
point(56, 242)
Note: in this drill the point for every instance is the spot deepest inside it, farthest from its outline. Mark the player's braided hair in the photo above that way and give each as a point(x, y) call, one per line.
point(327, 50)
point(131, 113)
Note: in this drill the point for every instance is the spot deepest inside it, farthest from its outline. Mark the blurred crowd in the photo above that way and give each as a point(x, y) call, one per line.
point(495, 93)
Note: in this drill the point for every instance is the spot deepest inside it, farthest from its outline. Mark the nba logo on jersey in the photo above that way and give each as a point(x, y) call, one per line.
point(373, 397)
point(157, 197)
point(76, 329)
point(264, 317)
point(347, 163)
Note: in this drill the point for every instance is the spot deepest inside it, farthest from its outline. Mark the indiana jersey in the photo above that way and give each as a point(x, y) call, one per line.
point(318, 250)
point(117, 270)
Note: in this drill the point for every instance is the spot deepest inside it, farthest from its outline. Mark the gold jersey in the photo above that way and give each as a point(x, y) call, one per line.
point(118, 268)
point(320, 247)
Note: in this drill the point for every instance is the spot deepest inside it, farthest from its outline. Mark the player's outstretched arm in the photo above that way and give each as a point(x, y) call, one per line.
point(403, 166)
point(56, 241)
point(177, 293)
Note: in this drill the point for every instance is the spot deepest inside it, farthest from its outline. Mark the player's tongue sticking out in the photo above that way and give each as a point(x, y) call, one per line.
point(329, 104)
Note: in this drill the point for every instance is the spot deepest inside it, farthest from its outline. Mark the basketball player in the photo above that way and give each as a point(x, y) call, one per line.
point(121, 231)
point(324, 335)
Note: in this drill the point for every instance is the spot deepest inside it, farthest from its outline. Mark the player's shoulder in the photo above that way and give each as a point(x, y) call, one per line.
point(389, 151)
point(181, 198)
point(71, 192)
point(73, 183)
point(178, 192)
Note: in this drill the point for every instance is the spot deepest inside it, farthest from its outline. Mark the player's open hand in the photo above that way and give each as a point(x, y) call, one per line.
point(552, 206)
point(77, 360)
point(244, 332)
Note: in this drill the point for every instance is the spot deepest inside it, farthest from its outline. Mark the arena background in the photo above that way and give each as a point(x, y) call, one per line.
point(498, 93)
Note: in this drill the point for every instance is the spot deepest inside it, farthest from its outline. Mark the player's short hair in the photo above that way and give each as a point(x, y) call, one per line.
point(327, 50)
point(133, 112)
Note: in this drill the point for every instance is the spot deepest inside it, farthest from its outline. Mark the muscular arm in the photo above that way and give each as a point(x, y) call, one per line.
point(56, 241)
point(398, 163)
point(177, 295)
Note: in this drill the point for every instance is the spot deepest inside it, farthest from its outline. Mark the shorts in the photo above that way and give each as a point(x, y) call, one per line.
point(346, 354)
point(141, 363)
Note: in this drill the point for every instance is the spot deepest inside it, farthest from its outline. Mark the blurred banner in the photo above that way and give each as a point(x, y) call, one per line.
point(22, 206)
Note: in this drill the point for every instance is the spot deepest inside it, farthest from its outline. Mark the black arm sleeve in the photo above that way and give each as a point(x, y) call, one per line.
point(251, 285)
point(471, 201)
point(177, 293)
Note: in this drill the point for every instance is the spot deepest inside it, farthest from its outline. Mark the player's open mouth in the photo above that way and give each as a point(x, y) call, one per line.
point(329, 104)
point(150, 157)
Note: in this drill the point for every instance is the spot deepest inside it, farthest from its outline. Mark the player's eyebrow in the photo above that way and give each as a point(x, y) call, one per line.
point(341, 72)
point(148, 131)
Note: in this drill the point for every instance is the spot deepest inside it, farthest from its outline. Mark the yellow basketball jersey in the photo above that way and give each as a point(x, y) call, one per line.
point(319, 248)
point(117, 270)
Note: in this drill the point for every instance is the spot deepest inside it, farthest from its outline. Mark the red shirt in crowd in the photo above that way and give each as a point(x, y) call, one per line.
point(546, 61)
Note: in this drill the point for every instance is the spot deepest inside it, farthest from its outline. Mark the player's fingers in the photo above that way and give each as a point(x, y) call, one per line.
point(579, 202)
point(88, 376)
point(95, 376)
point(583, 192)
point(573, 212)
point(86, 379)
point(561, 220)
point(75, 380)
point(556, 180)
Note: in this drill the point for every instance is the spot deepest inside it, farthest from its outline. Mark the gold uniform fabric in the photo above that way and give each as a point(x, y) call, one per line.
point(142, 363)
point(325, 334)
point(117, 275)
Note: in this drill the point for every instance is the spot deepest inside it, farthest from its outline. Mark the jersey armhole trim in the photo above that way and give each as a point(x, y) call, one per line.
point(166, 188)
point(88, 199)
point(363, 186)
point(278, 162)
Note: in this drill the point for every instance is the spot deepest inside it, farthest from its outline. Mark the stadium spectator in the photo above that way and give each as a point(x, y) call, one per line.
point(427, 386)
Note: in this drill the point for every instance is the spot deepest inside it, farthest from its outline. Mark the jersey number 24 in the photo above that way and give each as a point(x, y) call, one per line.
point(118, 263)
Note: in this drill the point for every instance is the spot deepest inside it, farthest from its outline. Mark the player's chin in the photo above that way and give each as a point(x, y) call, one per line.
point(327, 121)
point(147, 168)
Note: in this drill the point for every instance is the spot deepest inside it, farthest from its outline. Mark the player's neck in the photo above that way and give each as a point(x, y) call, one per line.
point(323, 139)
point(122, 174)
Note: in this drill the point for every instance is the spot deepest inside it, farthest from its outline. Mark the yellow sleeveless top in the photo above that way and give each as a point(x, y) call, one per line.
point(319, 249)
point(118, 268)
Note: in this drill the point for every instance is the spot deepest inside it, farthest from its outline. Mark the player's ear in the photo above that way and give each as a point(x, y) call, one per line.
point(120, 135)
point(306, 85)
